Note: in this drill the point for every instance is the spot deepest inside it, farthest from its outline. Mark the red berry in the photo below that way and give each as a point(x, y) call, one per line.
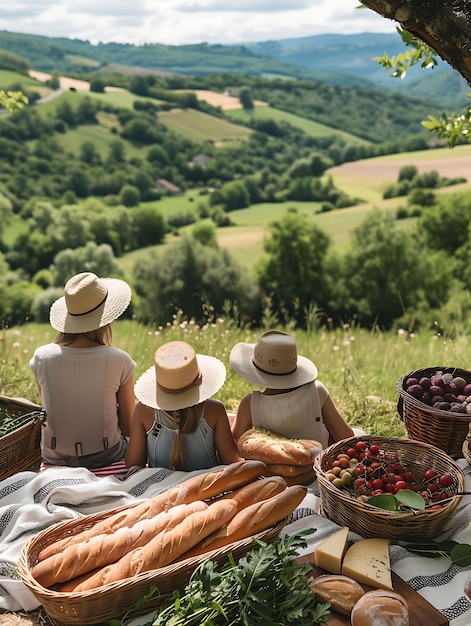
point(401, 484)
point(429, 474)
point(446, 480)
point(352, 453)
point(361, 445)
point(407, 476)
point(374, 449)
point(377, 483)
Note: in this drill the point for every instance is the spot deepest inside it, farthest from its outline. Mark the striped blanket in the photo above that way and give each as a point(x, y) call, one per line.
point(31, 502)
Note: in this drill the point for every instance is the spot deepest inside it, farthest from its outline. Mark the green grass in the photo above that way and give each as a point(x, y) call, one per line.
point(121, 99)
point(102, 138)
point(80, 60)
point(311, 128)
point(199, 126)
point(8, 78)
point(359, 367)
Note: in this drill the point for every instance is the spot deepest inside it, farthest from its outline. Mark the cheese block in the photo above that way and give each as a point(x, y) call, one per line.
point(330, 552)
point(367, 561)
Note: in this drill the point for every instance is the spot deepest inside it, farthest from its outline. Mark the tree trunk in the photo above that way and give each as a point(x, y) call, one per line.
point(444, 26)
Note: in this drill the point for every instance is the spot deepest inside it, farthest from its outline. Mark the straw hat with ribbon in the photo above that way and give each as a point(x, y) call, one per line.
point(89, 303)
point(180, 378)
point(273, 362)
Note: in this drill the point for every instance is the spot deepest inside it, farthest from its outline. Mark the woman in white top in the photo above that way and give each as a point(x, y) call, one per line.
point(293, 402)
point(86, 384)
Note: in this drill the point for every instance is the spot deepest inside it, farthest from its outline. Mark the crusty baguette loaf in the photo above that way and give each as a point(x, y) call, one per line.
point(200, 487)
point(252, 519)
point(101, 550)
point(256, 491)
point(269, 447)
point(165, 547)
point(301, 479)
point(278, 469)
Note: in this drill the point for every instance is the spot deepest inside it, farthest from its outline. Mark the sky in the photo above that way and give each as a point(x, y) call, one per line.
point(178, 22)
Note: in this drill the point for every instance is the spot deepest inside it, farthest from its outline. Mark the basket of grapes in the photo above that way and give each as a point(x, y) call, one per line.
point(435, 404)
point(388, 487)
point(20, 436)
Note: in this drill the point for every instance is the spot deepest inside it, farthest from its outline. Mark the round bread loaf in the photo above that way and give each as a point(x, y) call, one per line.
point(341, 591)
point(380, 608)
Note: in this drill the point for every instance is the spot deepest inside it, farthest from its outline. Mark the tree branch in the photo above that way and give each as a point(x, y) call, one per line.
point(444, 26)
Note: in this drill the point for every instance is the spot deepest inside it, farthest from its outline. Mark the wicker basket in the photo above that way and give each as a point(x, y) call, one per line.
point(467, 449)
point(444, 429)
point(20, 442)
point(115, 599)
point(370, 521)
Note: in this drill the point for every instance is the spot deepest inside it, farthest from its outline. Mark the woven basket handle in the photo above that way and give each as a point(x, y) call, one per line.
point(400, 407)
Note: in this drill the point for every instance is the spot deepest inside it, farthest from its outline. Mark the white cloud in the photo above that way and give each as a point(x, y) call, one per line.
point(176, 22)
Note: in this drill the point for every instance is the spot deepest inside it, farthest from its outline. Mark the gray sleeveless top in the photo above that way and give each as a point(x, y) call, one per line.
point(200, 450)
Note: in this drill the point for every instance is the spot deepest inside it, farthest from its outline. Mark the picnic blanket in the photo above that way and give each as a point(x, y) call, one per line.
point(31, 502)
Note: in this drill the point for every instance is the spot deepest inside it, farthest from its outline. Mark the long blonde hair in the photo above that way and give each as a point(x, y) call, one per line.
point(186, 422)
point(102, 336)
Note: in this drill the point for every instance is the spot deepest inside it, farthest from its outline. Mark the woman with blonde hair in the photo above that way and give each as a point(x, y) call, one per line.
point(86, 384)
point(177, 424)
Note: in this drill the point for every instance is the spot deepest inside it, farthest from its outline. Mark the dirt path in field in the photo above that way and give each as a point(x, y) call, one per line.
point(68, 83)
point(223, 100)
point(456, 167)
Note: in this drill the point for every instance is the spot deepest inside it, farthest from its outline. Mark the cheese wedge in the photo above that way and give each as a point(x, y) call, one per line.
point(330, 552)
point(367, 561)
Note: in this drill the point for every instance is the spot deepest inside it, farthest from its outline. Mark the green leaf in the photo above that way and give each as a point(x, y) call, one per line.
point(384, 501)
point(410, 499)
point(461, 555)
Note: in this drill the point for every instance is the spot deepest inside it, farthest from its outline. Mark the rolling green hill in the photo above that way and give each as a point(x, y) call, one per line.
point(310, 127)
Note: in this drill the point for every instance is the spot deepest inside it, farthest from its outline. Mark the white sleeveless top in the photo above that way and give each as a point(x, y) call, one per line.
point(296, 414)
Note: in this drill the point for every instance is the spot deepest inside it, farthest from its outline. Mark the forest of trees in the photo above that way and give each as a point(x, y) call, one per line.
point(84, 209)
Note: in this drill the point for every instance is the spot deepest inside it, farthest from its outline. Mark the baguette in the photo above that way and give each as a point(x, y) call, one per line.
point(165, 547)
point(271, 448)
point(100, 550)
point(306, 477)
point(257, 491)
point(200, 487)
point(278, 469)
point(251, 520)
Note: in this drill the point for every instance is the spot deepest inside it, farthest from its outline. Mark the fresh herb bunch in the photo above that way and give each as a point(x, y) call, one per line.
point(458, 553)
point(264, 587)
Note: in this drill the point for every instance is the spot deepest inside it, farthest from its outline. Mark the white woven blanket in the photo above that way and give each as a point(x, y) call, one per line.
point(30, 502)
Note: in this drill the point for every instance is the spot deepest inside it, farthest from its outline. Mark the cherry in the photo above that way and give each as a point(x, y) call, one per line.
point(401, 484)
point(374, 449)
point(446, 480)
point(429, 474)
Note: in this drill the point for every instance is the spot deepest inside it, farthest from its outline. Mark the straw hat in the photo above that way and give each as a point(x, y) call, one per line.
point(180, 378)
point(273, 362)
point(89, 303)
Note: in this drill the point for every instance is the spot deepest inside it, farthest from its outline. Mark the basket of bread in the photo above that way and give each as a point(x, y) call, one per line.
point(388, 487)
point(293, 459)
point(435, 404)
point(94, 569)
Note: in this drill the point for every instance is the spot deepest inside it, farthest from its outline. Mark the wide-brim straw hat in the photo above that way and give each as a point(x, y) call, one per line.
point(89, 303)
point(273, 362)
point(180, 378)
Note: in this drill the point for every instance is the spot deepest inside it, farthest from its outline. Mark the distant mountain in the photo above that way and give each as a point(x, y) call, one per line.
point(334, 57)
point(344, 60)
